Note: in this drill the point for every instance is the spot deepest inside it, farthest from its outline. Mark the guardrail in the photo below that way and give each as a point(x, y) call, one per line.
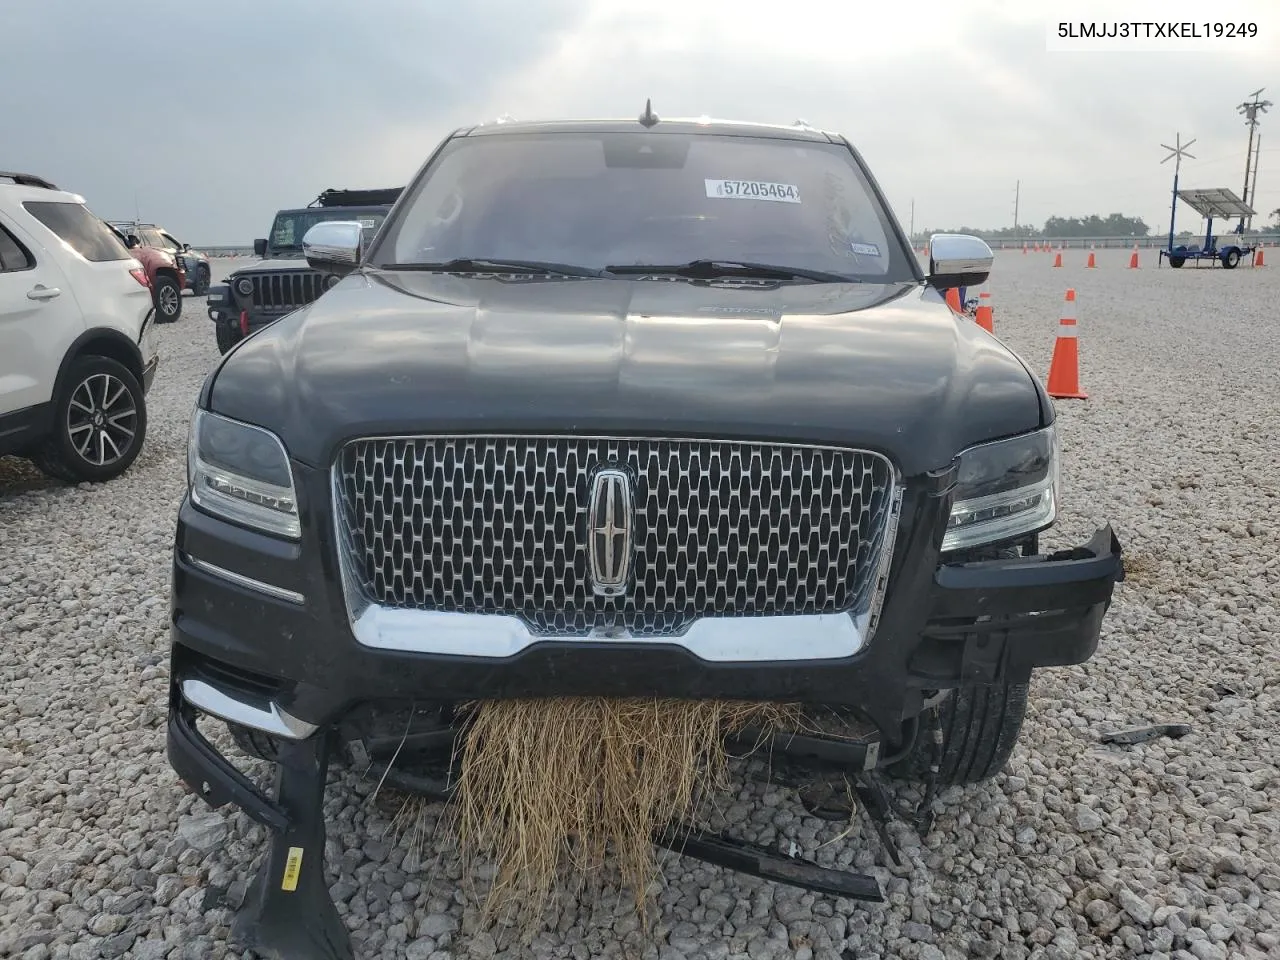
point(232, 250)
point(1127, 243)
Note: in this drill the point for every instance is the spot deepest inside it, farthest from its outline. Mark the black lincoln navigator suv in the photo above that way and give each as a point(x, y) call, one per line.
point(652, 408)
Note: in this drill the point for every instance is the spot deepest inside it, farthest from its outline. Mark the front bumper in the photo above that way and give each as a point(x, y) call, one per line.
point(193, 267)
point(246, 321)
point(261, 637)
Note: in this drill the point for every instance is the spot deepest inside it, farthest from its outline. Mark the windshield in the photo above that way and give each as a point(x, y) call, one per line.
point(607, 199)
point(289, 228)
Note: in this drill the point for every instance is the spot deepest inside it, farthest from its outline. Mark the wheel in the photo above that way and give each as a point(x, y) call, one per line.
point(201, 286)
point(255, 743)
point(1230, 259)
point(1176, 261)
point(228, 336)
point(100, 423)
point(168, 298)
point(980, 727)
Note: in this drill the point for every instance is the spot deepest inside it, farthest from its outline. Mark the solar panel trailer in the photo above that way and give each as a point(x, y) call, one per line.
point(1216, 203)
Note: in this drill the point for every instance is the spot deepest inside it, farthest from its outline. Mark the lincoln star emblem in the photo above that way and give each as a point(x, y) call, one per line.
point(609, 513)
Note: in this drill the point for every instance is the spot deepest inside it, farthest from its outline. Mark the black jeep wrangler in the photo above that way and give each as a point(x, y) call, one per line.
point(655, 409)
point(281, 282)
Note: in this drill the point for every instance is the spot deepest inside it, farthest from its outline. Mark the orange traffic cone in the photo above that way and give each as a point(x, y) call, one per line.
point(953, 300)
point(1258, 259)
point(1092, 262)
point(1057, 260)
point(983, 317)
point(1133, 258)
point(1064, 368)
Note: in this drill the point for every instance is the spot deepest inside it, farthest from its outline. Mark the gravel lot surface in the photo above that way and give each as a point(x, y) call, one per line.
point(1165, 849)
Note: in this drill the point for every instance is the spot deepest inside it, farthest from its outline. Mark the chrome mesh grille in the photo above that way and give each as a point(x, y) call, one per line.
point(499, 525)
point(287, 290)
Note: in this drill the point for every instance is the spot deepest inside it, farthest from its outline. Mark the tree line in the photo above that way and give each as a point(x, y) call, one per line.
point(1115, 225)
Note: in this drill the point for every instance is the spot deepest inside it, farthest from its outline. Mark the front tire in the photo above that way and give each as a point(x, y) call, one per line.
point(168, 299)
point(1230, 259)
point(100, 423)
point(255, 743)
point(201, 285)
point(227, 335)
point(980, 728)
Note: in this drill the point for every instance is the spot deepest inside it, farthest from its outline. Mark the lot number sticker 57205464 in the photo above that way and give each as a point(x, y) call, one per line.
point(754, 190)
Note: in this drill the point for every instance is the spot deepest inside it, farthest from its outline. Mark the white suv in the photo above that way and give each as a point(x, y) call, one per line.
point(77, 351)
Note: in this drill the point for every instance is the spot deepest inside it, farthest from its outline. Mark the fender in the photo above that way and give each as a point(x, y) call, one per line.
point(105, 342)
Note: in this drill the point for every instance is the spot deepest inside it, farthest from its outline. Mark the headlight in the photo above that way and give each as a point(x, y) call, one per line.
point(244, 286)
point(1004, 490)
point(241, 473)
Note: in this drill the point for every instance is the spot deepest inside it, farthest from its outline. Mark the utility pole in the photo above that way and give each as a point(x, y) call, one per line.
point(1251, 108)
point(1017, 191)
point(1178, 151)
point(1257, 160)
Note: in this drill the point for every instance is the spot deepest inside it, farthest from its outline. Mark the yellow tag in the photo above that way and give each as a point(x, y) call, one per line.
point(292, 868)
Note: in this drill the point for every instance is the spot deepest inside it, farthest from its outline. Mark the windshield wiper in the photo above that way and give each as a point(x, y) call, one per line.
point(714, 269)
point(482, 265)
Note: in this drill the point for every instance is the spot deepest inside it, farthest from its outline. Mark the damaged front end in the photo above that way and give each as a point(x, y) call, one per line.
point(970, 624)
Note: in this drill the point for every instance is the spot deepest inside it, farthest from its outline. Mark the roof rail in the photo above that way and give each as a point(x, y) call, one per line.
point(384, 196)
point(27, 180)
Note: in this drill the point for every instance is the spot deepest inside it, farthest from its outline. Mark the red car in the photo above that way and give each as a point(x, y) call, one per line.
point(164, 274)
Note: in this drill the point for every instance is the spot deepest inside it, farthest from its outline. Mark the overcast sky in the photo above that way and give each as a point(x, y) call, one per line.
point(208, 117)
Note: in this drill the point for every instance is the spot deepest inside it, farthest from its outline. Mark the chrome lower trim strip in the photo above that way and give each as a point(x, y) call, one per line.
point(269, 719)
point(825, 636)
point(240, 580)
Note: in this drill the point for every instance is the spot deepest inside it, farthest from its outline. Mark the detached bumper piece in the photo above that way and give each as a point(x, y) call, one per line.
point(764, 863)
point(1001, 619)
point(288, 912)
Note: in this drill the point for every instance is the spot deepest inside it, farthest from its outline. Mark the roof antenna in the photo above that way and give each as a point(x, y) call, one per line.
point(648, 118)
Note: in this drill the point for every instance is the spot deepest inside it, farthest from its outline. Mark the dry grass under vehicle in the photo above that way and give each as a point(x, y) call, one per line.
point(563, 794)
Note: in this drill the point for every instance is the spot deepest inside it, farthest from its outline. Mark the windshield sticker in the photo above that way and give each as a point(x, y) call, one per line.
point(865, 249)
point(753, 190)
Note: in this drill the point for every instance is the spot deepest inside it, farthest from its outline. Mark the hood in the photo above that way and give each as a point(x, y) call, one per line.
point(275, 264)
point(884, 367)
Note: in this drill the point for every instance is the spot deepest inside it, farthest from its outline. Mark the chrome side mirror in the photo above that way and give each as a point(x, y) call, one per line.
point(334, 247)
point(958, 260)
